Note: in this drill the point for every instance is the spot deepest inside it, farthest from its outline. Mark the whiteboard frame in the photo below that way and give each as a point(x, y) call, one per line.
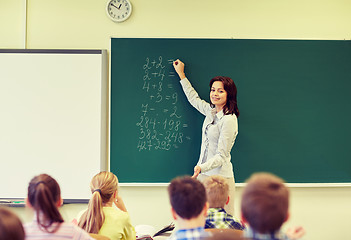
point(103, 107)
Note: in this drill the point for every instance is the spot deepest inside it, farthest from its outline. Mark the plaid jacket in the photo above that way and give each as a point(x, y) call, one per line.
point(219, 218)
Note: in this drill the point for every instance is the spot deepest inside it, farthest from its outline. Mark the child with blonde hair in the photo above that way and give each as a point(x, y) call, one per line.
point(217, 190)
point(102, 217)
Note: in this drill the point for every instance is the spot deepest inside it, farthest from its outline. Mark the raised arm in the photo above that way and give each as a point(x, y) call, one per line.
point(119, 203)
point(193, 97)
point(179, 68)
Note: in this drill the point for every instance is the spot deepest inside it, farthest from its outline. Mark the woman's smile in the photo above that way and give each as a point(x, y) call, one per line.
point(218, 95)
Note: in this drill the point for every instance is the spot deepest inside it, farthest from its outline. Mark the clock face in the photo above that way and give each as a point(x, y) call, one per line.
point(119, 10)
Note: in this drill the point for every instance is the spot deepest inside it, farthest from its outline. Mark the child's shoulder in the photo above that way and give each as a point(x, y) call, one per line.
point(115, 213)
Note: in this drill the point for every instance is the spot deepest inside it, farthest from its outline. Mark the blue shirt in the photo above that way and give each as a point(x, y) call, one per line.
point(190, 234)
point(251, 234)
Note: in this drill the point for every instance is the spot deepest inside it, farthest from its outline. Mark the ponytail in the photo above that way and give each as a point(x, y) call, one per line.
point(92, 219)
point(103, 186)
point(44, 194)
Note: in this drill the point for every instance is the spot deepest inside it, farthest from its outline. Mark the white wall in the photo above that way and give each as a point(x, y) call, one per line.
point(324, 212)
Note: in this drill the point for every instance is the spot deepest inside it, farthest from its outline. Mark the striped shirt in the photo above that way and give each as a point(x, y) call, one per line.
point(64, 232)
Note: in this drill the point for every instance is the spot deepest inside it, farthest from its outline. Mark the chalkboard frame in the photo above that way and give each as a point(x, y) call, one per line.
point(298, 184)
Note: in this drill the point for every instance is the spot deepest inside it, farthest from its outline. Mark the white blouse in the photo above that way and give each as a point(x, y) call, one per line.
point(218, 135)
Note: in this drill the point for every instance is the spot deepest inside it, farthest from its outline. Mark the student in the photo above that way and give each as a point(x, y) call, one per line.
point(219, 129)
point(217, 196)
point(189, 208)
point(264, 207)
point(102, 217)
point(10, 226)
point(44, 196)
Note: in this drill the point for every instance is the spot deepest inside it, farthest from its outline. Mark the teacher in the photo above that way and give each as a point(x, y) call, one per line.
point(219, 129)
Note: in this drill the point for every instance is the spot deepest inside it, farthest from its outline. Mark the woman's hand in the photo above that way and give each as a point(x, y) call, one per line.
point(197, 171)
point(179, 68)
point(120, 204)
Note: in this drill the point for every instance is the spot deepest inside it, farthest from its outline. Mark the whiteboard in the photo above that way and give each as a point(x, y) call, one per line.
point(53, 118)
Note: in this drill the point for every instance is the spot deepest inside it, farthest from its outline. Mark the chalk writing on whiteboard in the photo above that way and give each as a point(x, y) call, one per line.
point(160, 125)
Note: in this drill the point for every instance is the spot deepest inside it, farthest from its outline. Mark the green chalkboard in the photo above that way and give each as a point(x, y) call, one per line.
point(293, 95)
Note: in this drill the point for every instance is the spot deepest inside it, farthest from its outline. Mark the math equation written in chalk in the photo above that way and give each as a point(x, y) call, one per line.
point(161, 125)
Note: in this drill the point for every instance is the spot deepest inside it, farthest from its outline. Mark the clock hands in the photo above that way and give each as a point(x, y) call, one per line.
point(119, 7)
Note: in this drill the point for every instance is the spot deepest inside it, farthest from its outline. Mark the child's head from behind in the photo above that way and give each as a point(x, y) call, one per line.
point(103, 187)
point(187, 197)
point(44, 195)
point(217, 190)
point(265, 202)
point(10, 226)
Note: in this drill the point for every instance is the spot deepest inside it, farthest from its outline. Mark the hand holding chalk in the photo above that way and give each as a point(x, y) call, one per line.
point(179, 68)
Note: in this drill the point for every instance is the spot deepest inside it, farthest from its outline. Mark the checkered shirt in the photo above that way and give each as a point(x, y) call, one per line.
point(190, 234)
point(219, 218)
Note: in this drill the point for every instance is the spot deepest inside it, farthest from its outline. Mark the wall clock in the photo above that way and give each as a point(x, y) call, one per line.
point(119, 10)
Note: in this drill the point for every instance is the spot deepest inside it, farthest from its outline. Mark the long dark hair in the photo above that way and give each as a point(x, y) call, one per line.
point(43, 194)
point(231, 107)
